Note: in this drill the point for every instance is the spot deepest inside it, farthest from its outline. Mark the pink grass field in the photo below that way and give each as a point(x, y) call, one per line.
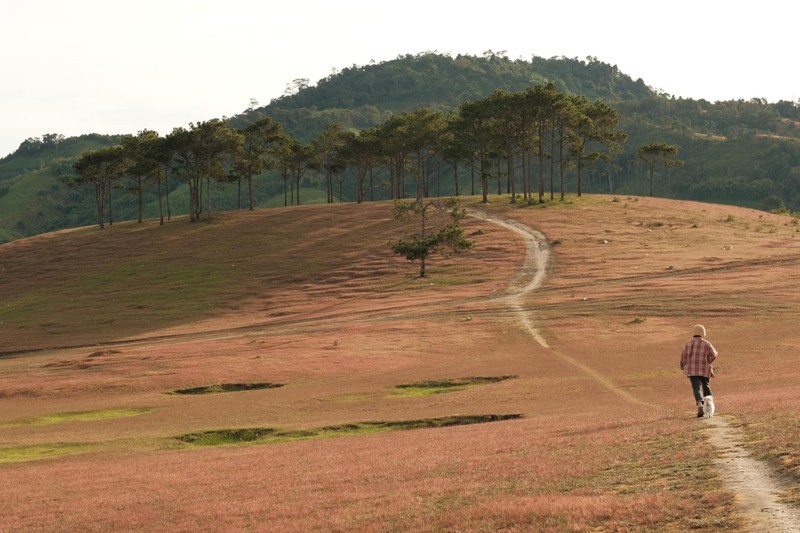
point(607, 440)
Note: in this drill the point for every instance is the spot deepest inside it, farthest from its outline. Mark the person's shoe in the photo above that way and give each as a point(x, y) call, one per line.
point(699, 410)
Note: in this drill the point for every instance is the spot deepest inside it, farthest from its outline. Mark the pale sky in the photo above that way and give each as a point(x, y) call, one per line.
point(115, 67)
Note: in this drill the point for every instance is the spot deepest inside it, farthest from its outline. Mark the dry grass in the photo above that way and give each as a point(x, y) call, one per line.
point(522, 475)
point(311, 298)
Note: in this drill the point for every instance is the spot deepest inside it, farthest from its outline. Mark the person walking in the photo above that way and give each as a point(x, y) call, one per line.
point(696, 362)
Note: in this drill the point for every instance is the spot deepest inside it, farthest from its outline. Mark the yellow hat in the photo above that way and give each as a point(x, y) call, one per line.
point(699, 330)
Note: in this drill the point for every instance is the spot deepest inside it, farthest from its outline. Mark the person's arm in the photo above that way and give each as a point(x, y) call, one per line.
point(711, 354)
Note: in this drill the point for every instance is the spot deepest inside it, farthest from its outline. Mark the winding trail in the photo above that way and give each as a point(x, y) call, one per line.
point(757, 489)
point(529, 278)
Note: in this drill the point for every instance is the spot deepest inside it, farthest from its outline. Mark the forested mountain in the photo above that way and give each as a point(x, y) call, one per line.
point(361, 96)
point(744, 152)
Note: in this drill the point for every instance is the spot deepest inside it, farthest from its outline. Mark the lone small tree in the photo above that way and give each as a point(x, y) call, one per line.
point(449, 239)
point(655, 153)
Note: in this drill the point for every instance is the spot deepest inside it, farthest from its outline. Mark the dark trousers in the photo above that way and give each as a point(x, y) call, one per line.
point(700, 387)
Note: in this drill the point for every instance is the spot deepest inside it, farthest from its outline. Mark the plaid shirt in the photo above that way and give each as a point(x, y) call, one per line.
point(697, 356)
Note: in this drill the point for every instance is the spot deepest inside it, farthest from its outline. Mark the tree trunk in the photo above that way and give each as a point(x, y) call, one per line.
point(561, 162)
point(192, 193)
point(199, 198)
point(371, 185)
point(360, 179)
point(194, 199)
point(169, 208)
point(484, 181)
point(422, 271)
point(139, 191)
point(472, 177)
point(541, 179)
point(438, 178)
point(110, 206)
point(541, 163)
point(526, 177)
point(208, 194)
point(160, 202)
point(552, 172)
point(100, 195)
point(512, 190)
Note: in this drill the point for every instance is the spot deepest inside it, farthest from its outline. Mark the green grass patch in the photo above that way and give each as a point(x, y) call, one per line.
point(570, 201)
point(23, 454)
point(355, 397)
point(427, 388)
point(273, 435)
point(227, 387)
point(160, 283)
point(167, 291)
point(6, 235)
point(79, 416)
point(308, 196)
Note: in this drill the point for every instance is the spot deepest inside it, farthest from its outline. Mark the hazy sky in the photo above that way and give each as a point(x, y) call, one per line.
point(112, 66)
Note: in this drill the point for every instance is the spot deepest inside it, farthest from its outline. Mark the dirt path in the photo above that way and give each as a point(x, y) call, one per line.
point(529, 278)
point(756, 488)
point(532, 273)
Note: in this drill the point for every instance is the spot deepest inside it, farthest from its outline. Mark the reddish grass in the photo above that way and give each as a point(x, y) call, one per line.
point(522, 474)
point(316, 302)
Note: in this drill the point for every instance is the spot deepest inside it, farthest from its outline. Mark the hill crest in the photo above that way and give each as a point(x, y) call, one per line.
point(152, 278)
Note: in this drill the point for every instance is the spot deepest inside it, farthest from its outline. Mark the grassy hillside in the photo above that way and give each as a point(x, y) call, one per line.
point(33, 199)
point(184, 272)
point(346, 394)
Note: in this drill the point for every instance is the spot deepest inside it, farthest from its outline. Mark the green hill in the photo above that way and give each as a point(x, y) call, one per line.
point(738, 152)
point(361, 96)
point(33, 198)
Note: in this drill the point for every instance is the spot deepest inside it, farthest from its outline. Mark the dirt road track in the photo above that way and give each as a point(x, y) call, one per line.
point(528, 279)
point(757, 489)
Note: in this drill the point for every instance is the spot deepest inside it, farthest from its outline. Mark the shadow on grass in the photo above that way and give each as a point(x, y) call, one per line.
point(227, 387)
point(426, 388)
point(272, 435)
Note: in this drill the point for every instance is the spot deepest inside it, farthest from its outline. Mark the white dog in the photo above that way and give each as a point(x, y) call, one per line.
point(708, 406)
